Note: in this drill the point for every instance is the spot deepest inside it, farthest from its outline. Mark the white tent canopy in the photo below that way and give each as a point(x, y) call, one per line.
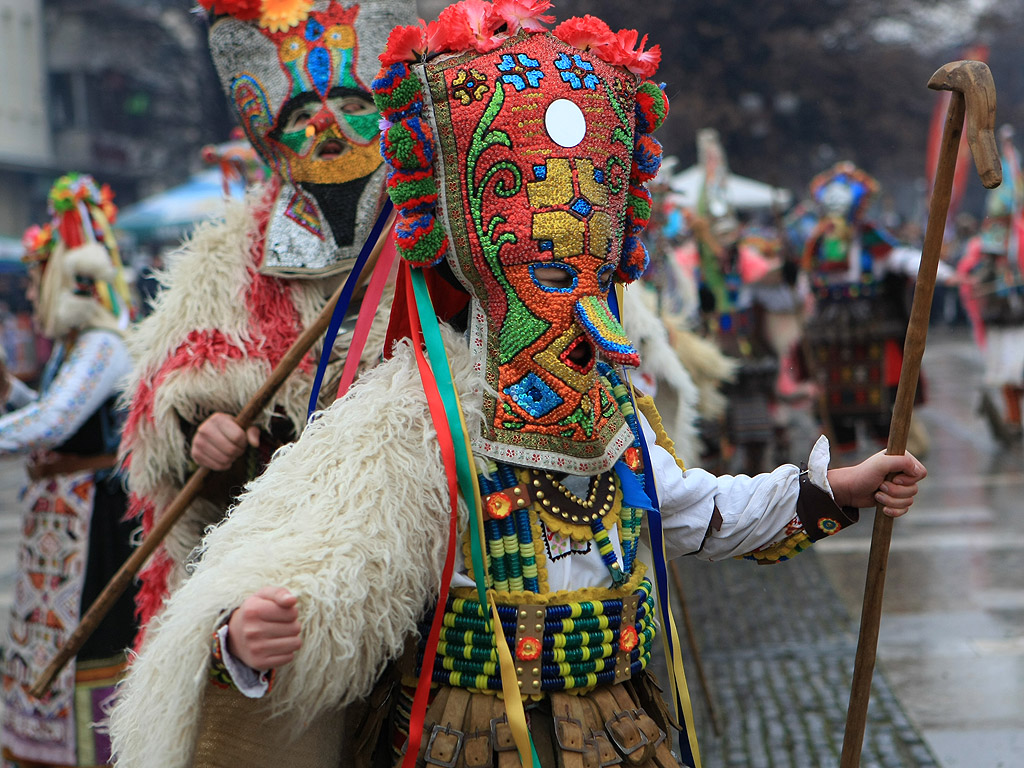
point(742, 193)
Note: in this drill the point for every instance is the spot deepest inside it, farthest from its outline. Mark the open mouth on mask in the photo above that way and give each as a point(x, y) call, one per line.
point(579, 355)
point(331, 149)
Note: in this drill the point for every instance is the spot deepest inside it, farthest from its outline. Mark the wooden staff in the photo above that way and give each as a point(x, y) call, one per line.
point(173, 512)
point(974, 94)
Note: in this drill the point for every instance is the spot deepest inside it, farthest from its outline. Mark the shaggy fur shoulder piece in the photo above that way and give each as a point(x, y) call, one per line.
point(709, 367)
point(352, 519)
point(217, 329)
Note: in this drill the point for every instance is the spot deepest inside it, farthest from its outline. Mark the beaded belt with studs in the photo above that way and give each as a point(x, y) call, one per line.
point(576, 645)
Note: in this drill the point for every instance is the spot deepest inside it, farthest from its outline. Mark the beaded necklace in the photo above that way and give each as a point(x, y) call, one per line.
point(518, 499)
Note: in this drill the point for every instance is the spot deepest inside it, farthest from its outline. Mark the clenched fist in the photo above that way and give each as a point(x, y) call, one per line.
point(263, 632)
point(219, 441)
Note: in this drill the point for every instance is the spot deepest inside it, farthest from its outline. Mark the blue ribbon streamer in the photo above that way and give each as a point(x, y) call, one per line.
point(660, 563)
point(633, 494)
point(344, 300)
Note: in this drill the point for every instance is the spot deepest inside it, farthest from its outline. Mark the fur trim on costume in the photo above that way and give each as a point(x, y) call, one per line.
point(217, 329)
point(648, 333)
point(352, 520)
point(708, 367)
point(89, 260)
point(65, 305)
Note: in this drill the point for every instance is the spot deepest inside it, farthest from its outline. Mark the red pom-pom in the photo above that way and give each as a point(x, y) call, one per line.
point(651, 107)
point(584, 32)
point(405, 44)
point(243, 10)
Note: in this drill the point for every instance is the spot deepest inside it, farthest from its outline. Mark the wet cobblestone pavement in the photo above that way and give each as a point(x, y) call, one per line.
point(778, 649)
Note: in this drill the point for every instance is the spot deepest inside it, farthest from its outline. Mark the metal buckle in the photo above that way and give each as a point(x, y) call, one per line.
point(626, 715)
point(559, 720)
point(448, 730)
point(661, 734)
point(495, 722)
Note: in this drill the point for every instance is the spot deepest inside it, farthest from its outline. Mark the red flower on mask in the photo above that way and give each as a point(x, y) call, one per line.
point(406, 44)
point(523, 14)
point(483, 23)
point(624, 51)
point(243, 10)
point(467, 25)
point(584, 32)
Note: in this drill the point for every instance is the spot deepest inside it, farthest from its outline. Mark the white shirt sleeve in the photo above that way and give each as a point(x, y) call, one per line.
point(908, 261)
point(90, 375)
point(754, 510)
point(21, 394)
point(250, 682)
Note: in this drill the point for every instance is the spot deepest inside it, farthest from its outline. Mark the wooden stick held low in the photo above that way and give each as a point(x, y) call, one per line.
point(173, 512)
point(973, 94)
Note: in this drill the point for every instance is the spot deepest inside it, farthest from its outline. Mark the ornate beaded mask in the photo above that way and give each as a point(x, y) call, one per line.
point(541, 157)
point(298, 83)
point(843, 194)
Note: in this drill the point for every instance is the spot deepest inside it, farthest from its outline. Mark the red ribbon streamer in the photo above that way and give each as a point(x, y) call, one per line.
point(447, 446)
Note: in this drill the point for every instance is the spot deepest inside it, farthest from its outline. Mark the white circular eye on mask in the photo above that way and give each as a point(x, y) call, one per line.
point(565, 123)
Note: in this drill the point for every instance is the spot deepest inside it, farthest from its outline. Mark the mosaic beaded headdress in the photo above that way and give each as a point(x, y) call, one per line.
point(844, 193)
point(521, 157)
point(297, 73)
point(845, 190)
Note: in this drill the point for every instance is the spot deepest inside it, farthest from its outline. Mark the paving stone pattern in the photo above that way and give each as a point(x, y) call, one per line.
point(778, 650)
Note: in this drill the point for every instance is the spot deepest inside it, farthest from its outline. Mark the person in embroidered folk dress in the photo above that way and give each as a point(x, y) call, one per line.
point(330, 566)
point(73, 533)
point(994, 272)
point(239, 292)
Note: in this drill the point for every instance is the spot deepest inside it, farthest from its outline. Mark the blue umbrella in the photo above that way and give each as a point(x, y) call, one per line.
point(170, 215)
point(10, 255)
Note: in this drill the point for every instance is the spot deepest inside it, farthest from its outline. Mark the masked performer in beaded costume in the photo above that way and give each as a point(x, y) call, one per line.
point(73, 531)
point(728, 264)
point(517, 160)
point(858, 272)
point(239, 292)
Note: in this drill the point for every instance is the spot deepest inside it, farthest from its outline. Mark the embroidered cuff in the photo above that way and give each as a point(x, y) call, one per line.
point(818, 512)
point(228, 672)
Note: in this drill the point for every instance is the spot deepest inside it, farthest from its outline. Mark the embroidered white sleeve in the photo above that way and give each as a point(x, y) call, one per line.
point(90, 375)
point(753, 509)
point(21, 394)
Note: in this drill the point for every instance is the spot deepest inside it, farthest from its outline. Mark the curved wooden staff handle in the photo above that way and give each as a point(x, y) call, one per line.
point(173, 512)
point(973, 89)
